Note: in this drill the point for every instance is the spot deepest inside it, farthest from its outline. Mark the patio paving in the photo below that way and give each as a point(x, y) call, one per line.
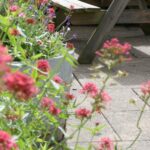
point(120, 116)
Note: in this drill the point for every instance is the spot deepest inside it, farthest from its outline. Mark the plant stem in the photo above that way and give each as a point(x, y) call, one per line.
point(78, 135)
point(90, 143)
point(138, 123)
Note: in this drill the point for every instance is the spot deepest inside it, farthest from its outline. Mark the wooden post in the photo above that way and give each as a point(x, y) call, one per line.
point(142, 4)
point(105, 26)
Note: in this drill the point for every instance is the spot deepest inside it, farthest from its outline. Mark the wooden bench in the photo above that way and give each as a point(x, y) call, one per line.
point(82, 12)
point(111, 17)
point(75, 5)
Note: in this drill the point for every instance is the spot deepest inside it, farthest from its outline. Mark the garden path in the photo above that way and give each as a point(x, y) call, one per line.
point(121, 115)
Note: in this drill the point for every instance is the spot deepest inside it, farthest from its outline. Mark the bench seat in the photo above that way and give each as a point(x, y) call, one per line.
point(75, 5)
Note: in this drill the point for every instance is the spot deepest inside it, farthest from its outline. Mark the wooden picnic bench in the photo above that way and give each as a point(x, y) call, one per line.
point(86, 14)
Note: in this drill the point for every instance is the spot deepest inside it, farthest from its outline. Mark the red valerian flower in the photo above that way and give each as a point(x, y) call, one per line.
point(51, 10)
point(50, 105)
point(30, 21)
point(69, 96)
point(70, 45)
point(21, 85)
point(6, 141)
point(43, 65)
point(14, 32)
point(116, 47)
point(42, 2)
point(82, 113)
point(54, 111)
point(4, 59)
point(51, 27)
point(4, 56)
point(145, 88)
point(46, 102)
point(13, 8)
point(105, 97)
point(90, 89)
point(106, 144)
point(58, 79)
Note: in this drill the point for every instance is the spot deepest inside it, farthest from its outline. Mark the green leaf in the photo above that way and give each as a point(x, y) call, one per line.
point(4, 20)
point(35, 57)
point(34, 74)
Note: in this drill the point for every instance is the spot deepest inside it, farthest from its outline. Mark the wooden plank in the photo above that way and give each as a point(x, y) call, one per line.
point(136, 16)
point(142, 4)
point(86, 18)
point(75, 5)
point(105, 26)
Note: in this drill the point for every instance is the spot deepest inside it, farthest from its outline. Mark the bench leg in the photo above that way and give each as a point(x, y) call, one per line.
point(106, 25)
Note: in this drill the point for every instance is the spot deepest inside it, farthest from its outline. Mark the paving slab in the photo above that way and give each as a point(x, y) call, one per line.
point(124, 100)
point(125, 124)
point(139, 145)
point(85, 135)
point(121, 114)
point(139, 94)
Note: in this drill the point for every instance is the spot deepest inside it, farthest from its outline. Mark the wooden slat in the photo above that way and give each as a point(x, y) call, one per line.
point(77, 5)
point(135, 16)
point(86, 18)
point(105, 26)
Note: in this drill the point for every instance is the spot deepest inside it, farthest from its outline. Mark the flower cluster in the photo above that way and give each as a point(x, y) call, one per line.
point(6, 141)
point(5, 58)
point(21, 85)
point(106, 144)
point(100, 97)
point(83, 113)
point(145, 88)
point(48, 103)
point(43, 65)
point(114, 52)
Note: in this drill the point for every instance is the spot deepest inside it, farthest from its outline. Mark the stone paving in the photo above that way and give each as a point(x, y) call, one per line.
point(120, 116)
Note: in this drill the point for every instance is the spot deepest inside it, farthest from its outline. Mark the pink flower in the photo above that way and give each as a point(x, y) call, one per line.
point(51, 27)
point(6, 141)
point(13, 8)
point(82, 113)
point(50, 105)
point(43, 65)
point(116, 47)
point(51, 10)
point(42, 2)
point(54, 111)
point(22, 15)
point(4, 56)
point(89, 88)
point(4, 59)
point(106, 144)
point(58, 79)
point(145, 88)
point(69, 96)
point(21, 85)
point(46, 102)
point(105, 97)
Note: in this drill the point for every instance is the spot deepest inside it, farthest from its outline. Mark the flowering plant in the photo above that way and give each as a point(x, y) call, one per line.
point(29, 30)
point(31, 117)
point(34, 103)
